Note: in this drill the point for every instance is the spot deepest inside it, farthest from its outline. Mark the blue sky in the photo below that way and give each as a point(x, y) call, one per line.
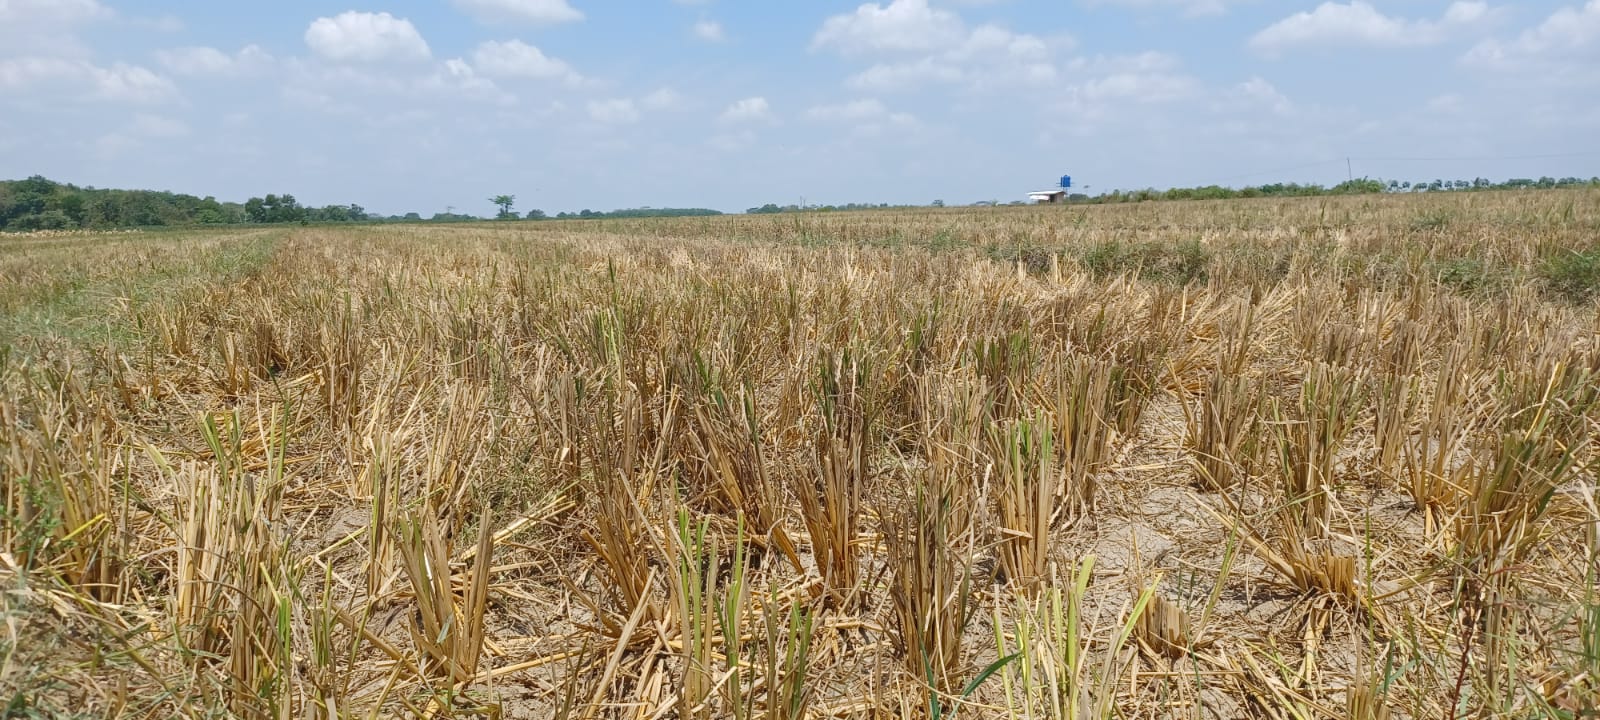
point(569, 104)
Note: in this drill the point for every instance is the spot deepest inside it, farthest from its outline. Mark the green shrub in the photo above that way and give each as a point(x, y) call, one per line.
point(1573, 275)
point(1467, 275)
point(1176, 263)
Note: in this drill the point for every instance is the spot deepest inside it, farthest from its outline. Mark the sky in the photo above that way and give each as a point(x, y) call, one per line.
point(404, 105)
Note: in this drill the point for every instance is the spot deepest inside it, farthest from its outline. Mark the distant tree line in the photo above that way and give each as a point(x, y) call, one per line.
point(38, 203)
point(773, 208)
point(628, 213)
point(1358, 186)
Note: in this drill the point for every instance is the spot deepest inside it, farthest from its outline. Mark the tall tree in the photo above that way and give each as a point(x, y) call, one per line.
point(505, 202)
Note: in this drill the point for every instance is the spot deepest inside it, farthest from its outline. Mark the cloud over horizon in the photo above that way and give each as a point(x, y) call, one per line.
point(408, 105)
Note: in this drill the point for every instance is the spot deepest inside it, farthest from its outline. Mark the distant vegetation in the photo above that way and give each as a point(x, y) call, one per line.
point(773, 208)
point(38, 203)
point(1217, 192)
point(1353, 187)
point(631, 213)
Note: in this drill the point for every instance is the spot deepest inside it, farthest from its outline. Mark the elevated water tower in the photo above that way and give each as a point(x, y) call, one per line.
point(1054, 195)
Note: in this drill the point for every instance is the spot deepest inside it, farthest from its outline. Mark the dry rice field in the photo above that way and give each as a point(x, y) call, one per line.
point(1312, 458)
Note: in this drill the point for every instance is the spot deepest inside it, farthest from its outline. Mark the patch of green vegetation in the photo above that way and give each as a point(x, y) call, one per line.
point(1469, 275)
point(1435, 219)
point(1180, 263)
point(1572, 274)
point(76, 309)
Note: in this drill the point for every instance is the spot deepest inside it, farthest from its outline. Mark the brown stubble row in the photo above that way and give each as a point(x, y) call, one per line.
point(864, 465)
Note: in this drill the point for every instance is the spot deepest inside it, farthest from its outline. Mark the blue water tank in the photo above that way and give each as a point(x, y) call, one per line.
point(1066, 181)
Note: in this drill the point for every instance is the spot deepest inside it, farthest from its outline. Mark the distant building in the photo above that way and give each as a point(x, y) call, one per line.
point(1048, 197)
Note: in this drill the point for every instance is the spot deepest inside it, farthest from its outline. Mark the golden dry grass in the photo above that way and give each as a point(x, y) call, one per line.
point(1316, 458)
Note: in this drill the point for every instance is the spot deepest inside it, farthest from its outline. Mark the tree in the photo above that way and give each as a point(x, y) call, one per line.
point(505, 202)
point(537, 215)
point(938, 203)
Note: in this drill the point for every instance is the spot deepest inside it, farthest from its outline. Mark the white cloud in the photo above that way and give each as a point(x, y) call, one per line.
point(988, 55)
point(20, 73)
point(47, 28)
point(209, 61)
point(1570, 34)
point(458, 75)
point(866, 118)
point(378, 93)
point(940, 45)
point(903, 25)
point(618, 111)
point(366, 37)
point(515, 58)
point(747, 110)
point(1359, 23)
point(120, 82)
point(662, 99)
point(1189, 7)
point(537, 12)
point(131, 83)
point(1108, 83)
point(1261, 93)
point(1466, 12)
point(40, 12)
point(709, 31)
point(1138, 87)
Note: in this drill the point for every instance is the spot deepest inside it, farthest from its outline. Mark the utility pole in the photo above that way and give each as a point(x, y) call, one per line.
point(1348, 173)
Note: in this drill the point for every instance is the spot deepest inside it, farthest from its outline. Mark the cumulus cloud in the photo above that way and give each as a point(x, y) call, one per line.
point(131, 83)
point(867, 117)
point(709, 31)
point(209, 61)
point(382, 92)
point(1188, 7)
point(366, 37)
point(1106, 83)
point(988, 55)
point(1359, 23)
point(515, 58)
point(119, 82)
point(1260, 93)
point(1570, 34)
point(662, 99)
point(902, 25)
point(930, 45)
point(750, 109)
point(617, 111)
point(455, 76)
point(47, 28)
point(536, 12)
point(40, 12)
